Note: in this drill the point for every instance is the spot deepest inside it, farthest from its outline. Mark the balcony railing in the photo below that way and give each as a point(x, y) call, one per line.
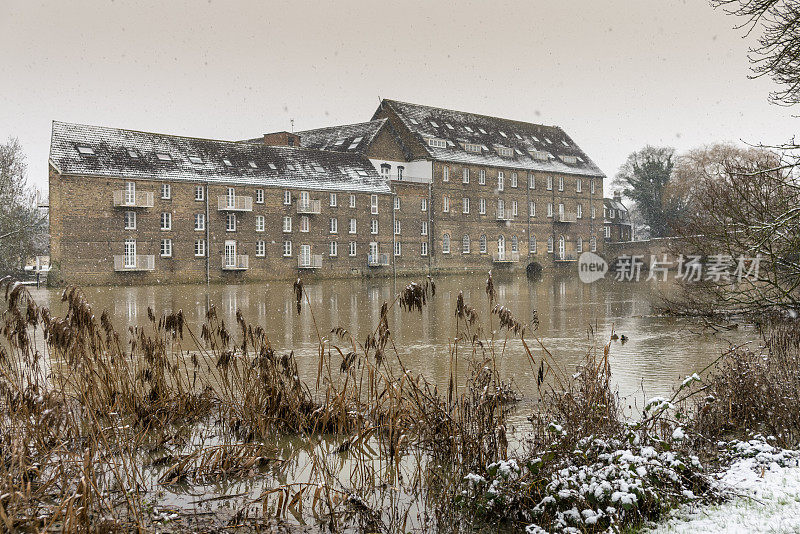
point(506, 257)
point(378, 260)
point(565, 257)
point(504, 215)
point(312, 261)
point(565, 217)
point(140, 199)
point(226, 203)
point(239, 262)
point(312, 207)
point(139, 262)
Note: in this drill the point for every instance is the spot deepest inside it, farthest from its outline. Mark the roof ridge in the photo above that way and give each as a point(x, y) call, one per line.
point(337, 126)
point(472, 113)
point(148, 133)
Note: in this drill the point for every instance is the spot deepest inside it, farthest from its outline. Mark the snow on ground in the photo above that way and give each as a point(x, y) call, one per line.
point(764, 486)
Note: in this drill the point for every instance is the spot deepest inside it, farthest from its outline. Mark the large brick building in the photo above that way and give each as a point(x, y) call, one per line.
point(415, 189)
point(475, 191)
point(135, 207)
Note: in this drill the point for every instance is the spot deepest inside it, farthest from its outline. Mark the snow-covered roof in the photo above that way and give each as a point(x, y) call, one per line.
point(611, 203)
point(462, 137)
point(101, 151)
point(344, 138)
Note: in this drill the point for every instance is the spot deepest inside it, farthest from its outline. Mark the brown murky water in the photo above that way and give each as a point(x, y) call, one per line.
point(660, 352)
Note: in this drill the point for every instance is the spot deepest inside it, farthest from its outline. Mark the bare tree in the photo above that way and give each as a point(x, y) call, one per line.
point(745, 216)
point(778, 52)
point(21, 226)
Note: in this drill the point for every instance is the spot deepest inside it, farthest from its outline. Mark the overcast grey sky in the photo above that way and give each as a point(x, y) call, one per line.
point(616, 75)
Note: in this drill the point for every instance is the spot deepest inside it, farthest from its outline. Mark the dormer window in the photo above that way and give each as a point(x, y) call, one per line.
point(227, 162)
point(318, 168)
point(535, 138)
point(449, 126)
point(540, 155)
point(481, 130)
point(433, 123)
point(548, 140)
point(437, 143)
point(195, 159)
point(162, 156)
point(86, 150)
point(564, 143)
point(571, 160)
point(505, 152)
point(132, 153)
point(467, 128)
point(362, 172)
point(518, 136)
point(355, 143)
point(472, 147)
point(413, 121)
point(273, 167)
point(290, 166)
point(503, 134)
point(252, 164)
point(339, 142)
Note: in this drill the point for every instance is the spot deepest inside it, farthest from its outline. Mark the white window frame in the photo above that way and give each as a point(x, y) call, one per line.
point(550, 245)
point(446, 244)
point(333, 200)
point(560, 183)
point(373, 204)
point(549, 183)
point(465, 205)
point(482, 206)
point(353, 226)
point(287, 248)
point(199, 222)
point(396, 227)
point(129, 220)
point(465, 244)
point(200, 248)
point(531, 209)
point(287, 225)
point(445, 204)
point(465, 175)
point(166, 221)
point(445, 173)
point(424, 229)
point(333, 225)
point(424, 205)
point(423, 248)
point(531, 181)
point(397, 248)
point(579, 211)
point(261, 248)
point(532, 244)
point(165, 251)
point(352, 201)
point(397, 203)
point(259, 196)
point(166, 191)
point(260, 223)
point(579, 186)
point(514, 179)
point(230, 222)
point(483, 244)
point(501, 181)
point(199, 193)
point(305, 224)
point(514, 208)
point(352, 248)
point(549, 209)
point(287, 198)
point(482, 177)
point(129, 254)
point(373, 227)
point(593, 243)
point(333, 248)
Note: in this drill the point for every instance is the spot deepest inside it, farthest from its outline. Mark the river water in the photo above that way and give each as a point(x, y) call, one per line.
point(660, 351)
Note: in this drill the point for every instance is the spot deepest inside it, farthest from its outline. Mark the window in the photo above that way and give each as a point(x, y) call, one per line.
point(332, 201)
point(424, 205)
point(199, 193)
point(446, 244)
point(163, 157)
point(578, 185)
point(561, 211)
point(423, 248)
point(200, 248)
point(424, 230)
point(287, 248)
point(532, 209)
point(132, 153)
point(560, 183)
point(532, 244)
point(333, 248)
point(130, 220)
point(166, 221)
point(579, 245)
point(227, 162)
point(465, 244)
point(396, 227)
point(591, 185)
point(593, 244)
point(373, 228)
point(503, 151)
point(513, 179)
point(261, 248)
point(514, 209)
point(472, 147)
point(252, 164)
point(550, 245)
point(396, 203)
point(607, 232)
point(397, 248)
point(260, 223)
point(333, 225)
point(483, 244)
point(287, 224)
point(352, 248)
point(129, 259)
point(354, 143)
point(482, 177)
point(445, 204)
point(373, 204)
point(579, 211)
point(195, 159)
point(445, 173)
point(549, 183)
point(385, 171)
point(549, 209)
point(230, 222)
point(304, 225)
point(259, 196)
point(482, 206)
point(593, 212)
point(433, 123)
point(500, 181)
point(166, 248)
point(86, 150)
point(465, 176)
point(400, 170)
point(465, 205)
point(437, 143)
point(352, 201)
point(501, 208)
point(531, 181)
point(287, 198)
point(199, 222)
point(514, 244)
point(166, 191)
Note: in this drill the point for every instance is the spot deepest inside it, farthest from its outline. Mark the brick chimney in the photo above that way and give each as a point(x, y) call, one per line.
point(281, 139)
point(617, 196)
